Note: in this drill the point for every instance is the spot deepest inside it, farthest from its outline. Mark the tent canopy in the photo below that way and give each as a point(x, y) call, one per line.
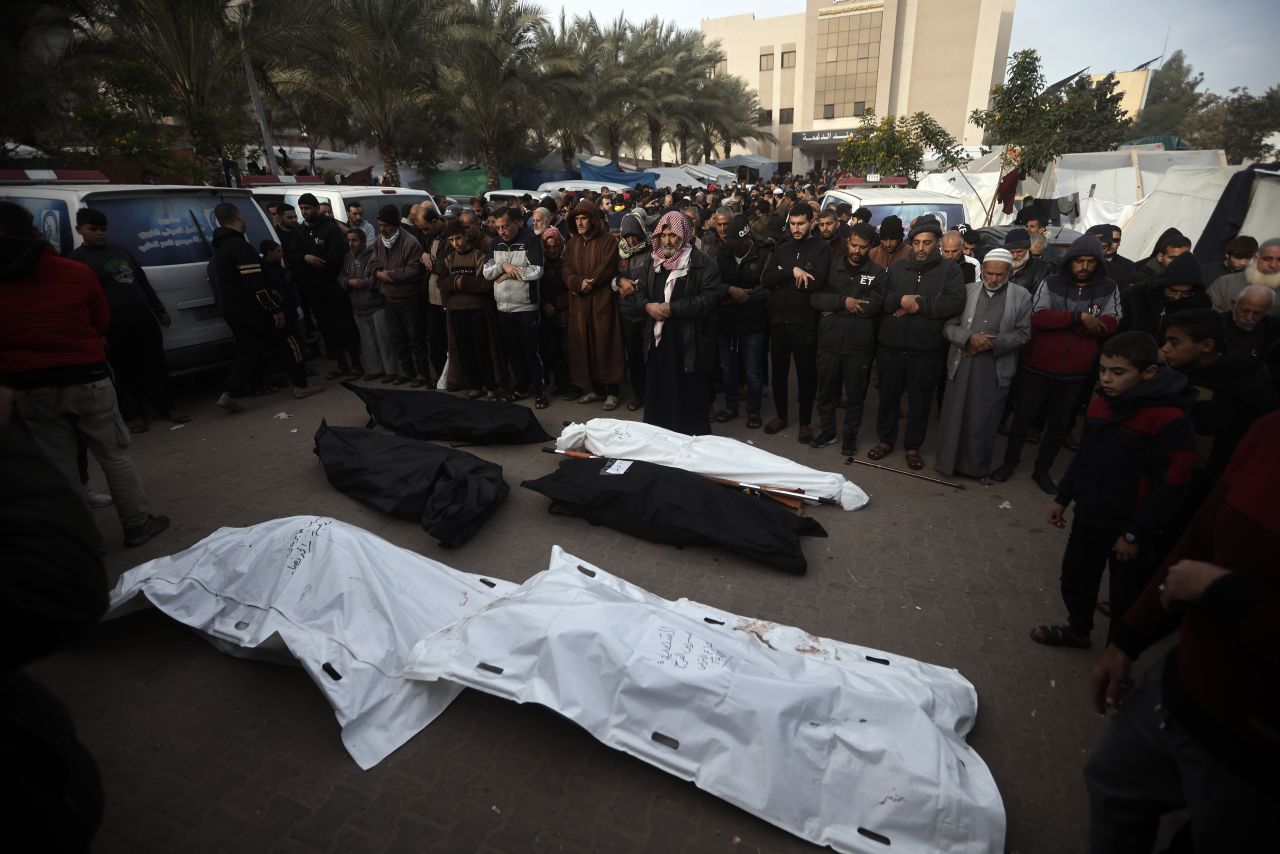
point(763, 165)
point(611, 174)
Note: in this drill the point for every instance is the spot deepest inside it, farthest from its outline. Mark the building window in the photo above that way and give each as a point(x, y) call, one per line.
point(766, 62)
point(859, 107)
point(786, 115)
point(765, 117)
point(788, 59)
point(828, 111)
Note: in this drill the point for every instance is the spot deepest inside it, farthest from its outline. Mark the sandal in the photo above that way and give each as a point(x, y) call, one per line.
point(540, 401)
point(610, 403)
point(726, 415)
point(753, 422)
point(914, 460)
point(880, 451)
point(635, 403)
point(138, 425)
point(1059, 636)
point(176, 417)
point(590, 397)
point(985, 480)
point(333, 375)
point(473, 394)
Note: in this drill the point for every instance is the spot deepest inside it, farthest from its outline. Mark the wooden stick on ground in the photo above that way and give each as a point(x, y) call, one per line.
point(907, 473)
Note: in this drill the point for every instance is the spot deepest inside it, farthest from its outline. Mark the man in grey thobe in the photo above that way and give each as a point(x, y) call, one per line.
point(985, 339)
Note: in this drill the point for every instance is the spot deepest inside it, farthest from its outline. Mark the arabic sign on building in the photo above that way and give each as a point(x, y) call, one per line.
point(820, 137)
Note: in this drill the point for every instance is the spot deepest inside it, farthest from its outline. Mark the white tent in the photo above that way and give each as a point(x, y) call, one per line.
point(709, 174)
point(1184, 198)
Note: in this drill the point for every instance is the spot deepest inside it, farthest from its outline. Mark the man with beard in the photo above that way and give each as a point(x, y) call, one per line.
point(799, 269)
point(1239, 251)
point(891, 247)
point(633, 259)
point(356, 220)
point(1252, 331)
point(596, 358)
point(135, 346)
point(677, 293)
point(713, 239)
point(315, 253)
point(985, 341)
point(474, 356)
point(952, 248)
point(833, 231)
point(1264, 270)
point(555, 311)
point(476, 237)
point(1073, 312)
point(1178, 287)
point(922, 293)
point(1028, 272)
point(1120, 269)
point(743, 321)
point(1169, 245)
point(397, 270)
point(847, 337)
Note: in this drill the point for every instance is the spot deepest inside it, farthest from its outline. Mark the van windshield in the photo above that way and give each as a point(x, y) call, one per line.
point(948, 215)
point(166, 229)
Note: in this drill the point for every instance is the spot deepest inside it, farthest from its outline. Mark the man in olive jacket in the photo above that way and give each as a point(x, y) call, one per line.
point(923, 291)
point(847, 336)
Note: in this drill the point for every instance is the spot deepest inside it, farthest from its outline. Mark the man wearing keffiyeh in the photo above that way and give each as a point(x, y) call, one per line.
point(677, 297)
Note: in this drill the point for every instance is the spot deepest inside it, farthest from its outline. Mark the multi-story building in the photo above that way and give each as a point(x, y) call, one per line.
point(819, 71)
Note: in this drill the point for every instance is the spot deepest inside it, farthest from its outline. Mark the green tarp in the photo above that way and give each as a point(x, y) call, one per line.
point(472, 182)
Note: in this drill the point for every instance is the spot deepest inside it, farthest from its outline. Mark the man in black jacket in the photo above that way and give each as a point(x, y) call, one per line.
point(743, 321)
point(847, 337)
point(1169, 245)
point(922, 292)
point(1177, 287)
point(799, 269)
point(315, 253)
point(256, 318)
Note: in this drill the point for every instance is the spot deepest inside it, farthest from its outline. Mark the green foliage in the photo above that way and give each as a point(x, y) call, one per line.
point(897, 145)
point(1089, 116)
point(1173, 97)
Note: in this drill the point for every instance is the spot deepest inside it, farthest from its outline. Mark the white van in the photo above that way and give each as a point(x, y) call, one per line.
point(371, 199)
point(580, 186)
point(169, 230)
point(903, 203)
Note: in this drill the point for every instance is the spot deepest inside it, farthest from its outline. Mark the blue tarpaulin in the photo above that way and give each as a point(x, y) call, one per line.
point(529, 179)
point(611, 174)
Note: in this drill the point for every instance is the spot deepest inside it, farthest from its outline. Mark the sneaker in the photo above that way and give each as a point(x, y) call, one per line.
point(1004, 472)
point(1045, 482)
point(96, 499)
point(229, 403)
point(299, 392)
point(826, 437)
point(148, 529)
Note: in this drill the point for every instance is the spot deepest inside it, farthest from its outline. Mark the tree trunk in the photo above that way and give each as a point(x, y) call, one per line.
point(312, 148)
point(390, 165)
point(655, 141)
point(491, 166)
point(567, 152)
point(615, 146)
point(728, 150)
point(684, 147)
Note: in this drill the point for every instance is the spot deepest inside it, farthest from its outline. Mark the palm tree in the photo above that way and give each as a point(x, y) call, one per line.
point(566, 97)
point(731, 116)
point(377, 58)
point(612, 75)
point(196, 48)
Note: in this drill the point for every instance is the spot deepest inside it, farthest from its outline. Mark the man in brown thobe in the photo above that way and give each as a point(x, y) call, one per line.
point(594, 338)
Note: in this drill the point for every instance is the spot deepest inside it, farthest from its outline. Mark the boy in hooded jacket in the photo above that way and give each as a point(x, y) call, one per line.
point(1129, 479)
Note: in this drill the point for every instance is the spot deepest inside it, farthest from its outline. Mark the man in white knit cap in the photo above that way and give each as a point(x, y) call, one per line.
point(985, 339)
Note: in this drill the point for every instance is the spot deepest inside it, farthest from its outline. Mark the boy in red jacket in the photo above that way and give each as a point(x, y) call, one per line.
point(1130, 476)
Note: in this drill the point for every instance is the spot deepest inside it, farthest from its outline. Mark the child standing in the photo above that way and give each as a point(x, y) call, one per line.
point(1130, 476)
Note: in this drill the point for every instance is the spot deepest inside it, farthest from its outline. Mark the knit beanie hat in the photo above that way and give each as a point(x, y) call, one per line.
point(891, 228)
point(1017, 238)
point(390, 214)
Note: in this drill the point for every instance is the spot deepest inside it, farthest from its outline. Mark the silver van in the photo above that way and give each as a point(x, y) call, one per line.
point(903, 203)
point(169, 229)
point(371, 199)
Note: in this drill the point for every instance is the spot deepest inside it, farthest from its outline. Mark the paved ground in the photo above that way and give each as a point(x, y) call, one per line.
point(204, 752)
